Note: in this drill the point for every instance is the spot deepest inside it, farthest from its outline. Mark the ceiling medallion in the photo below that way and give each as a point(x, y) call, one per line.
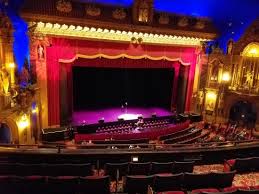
point(64, 6)
point(163, 18)
point(91, 10)
point(183, 22)
point(119, 14)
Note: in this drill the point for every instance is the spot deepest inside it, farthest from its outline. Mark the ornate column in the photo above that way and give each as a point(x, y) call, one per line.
point(7, 66)
point(38, 45)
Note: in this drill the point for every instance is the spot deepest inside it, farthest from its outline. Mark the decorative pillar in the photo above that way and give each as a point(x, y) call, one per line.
point(38, 46)
point(7, 66)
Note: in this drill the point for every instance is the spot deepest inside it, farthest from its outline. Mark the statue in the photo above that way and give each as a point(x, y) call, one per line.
point(41, 52)
point(230, 47)
point(249, 79)
point(4, 81)
point(143, 12)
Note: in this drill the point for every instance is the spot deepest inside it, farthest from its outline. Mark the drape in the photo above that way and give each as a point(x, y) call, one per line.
point(71, 51)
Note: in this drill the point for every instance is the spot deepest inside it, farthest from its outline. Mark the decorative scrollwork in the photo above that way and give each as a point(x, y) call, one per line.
point(64, 6)
point(183, 22)
point(163, 18)
point(200, 24)
point(119, 14)
point(93, 11)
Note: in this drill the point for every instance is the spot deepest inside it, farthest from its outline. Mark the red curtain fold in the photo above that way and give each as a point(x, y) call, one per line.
point(67, 49)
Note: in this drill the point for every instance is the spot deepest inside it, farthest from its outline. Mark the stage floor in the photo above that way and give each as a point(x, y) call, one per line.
point(112, 114)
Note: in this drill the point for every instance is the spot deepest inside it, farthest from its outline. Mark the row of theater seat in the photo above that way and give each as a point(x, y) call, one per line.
point(175, 134)
point(150, 134)
point(147, 124)
point(54, 185)
point(196, 183)
point(111, 169)
point(242, 165)
point(189, 135)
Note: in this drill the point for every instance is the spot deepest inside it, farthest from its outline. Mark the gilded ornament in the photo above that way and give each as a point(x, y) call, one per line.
point(64, 6)
point(119, 14)
point(200, 24)
point(163, 19)
point(183, 22)
point(93, 11)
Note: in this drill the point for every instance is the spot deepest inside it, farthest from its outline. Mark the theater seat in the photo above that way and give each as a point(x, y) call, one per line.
point(34, 185)
point(197, 181)
point(158, 168)
point(172, 192)
point(62, 185)
point(115, 170)
point(10, 185)
point(181, 167)
point(222, 192)
point(94, 185)
point(138, 184)
point(208, 190)
point(228, 164)
point(222, 179)
point(139, 168)
point(168, 182)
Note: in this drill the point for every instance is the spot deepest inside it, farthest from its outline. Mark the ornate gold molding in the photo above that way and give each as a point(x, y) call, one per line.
point(89, 32)
point(121, 56)
point(118, 26)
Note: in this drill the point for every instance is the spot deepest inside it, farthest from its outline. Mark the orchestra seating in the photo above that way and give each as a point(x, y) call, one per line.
point(170, 177)
point(153, 134)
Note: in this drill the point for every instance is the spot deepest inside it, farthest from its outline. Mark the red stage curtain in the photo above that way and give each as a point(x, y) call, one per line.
point(68, 49)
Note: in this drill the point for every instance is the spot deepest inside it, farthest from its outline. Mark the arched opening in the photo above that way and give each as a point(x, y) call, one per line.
point(251, 50)
point(243, 113)
point(5, 133)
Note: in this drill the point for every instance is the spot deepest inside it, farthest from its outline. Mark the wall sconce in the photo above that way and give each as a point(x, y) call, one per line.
point(11, 65)
point(226, 76)
point(34, 110)
point(23, 122)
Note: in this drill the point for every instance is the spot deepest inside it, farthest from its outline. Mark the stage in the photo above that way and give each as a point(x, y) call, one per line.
point(112, 114)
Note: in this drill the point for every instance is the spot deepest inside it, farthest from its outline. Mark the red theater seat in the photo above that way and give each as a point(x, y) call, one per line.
point(95, 185)
point(208, 190)
point(172, 192)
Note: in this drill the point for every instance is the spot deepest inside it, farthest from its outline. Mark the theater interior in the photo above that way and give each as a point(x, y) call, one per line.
point(129, 96)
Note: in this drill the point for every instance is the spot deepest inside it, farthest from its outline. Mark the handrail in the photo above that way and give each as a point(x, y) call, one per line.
point(161, 147)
